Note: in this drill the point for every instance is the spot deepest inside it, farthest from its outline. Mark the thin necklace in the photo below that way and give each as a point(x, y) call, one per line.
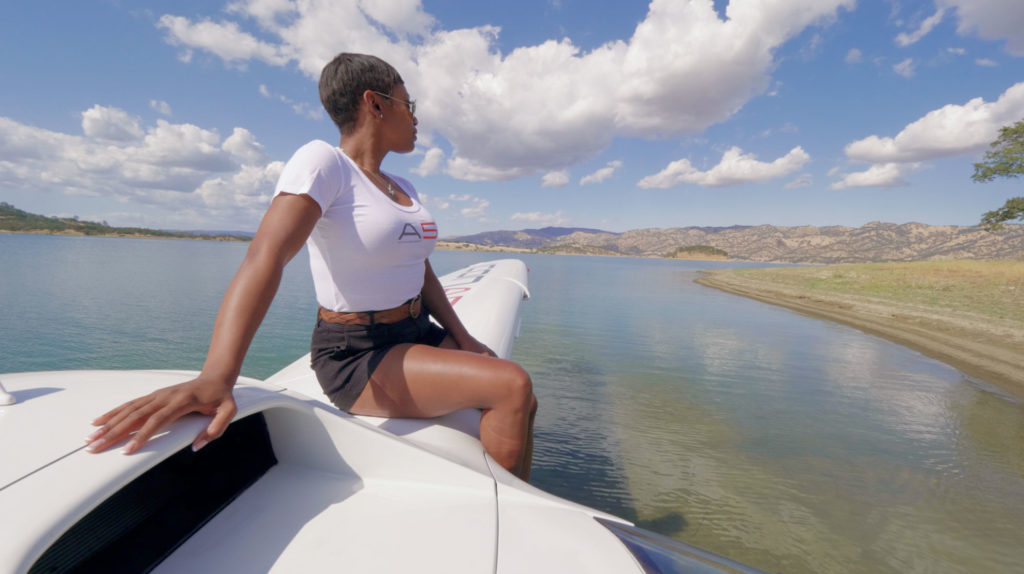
point(386, 180)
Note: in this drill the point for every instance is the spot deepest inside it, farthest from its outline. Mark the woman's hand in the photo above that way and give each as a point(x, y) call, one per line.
point(473, 346)
point(147, 415)
point(285, 227)
point(436, 301)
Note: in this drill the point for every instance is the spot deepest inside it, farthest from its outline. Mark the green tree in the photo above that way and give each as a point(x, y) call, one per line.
point(1012, 209)
point(1005, 159)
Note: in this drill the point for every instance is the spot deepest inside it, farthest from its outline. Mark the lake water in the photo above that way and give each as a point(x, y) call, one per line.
point(782, 441)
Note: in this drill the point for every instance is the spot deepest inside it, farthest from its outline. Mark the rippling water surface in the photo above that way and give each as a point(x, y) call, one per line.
point(785, 442)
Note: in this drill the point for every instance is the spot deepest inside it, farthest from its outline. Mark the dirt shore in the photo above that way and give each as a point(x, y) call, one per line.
point(991, 352)
point(463, 246)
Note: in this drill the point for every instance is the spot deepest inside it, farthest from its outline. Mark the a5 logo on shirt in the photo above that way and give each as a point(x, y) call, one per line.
point(412, 233)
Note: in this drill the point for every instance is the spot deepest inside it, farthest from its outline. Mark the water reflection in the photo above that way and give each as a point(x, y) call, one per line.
point(793, 444)
point(786, 442)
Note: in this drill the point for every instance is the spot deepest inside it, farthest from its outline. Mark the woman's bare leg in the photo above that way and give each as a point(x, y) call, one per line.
point(528, 451)
point(423, 381)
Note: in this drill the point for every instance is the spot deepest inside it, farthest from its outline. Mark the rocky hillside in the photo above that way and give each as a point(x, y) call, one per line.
point(807, 244)
point(14, 220)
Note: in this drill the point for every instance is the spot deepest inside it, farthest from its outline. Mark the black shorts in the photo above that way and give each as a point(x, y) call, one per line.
point(345, 356)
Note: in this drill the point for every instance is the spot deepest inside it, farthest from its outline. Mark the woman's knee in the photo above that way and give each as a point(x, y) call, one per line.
point(518, 385)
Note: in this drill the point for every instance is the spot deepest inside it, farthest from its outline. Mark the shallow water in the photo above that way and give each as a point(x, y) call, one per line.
point(782, 441)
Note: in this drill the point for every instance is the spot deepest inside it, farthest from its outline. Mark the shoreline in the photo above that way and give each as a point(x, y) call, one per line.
point(992, 354)
point(465, 246)
point(126, 235)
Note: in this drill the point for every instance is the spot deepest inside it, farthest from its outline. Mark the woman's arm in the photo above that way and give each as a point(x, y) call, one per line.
point(437, 303)
point(284, 229)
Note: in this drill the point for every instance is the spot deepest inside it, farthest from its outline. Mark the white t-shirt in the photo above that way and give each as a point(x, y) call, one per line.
point(366, 252)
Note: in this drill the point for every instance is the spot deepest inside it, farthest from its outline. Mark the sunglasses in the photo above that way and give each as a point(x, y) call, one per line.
point(411, 104)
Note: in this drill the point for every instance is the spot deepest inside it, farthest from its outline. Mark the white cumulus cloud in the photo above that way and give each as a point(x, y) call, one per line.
point(305, 109)
point(735, 168)
point(496, 109)
point(905, 68)
point(991, 20)
point(926, 26)
point(113, 124)
point(476, 211)
point(249, 188)
point(540, 218)
point(948, 131)
point(602, 174)
point(431, 163)
point(243, 145)
point(878, 175)
point(555, 179)
point(226, 39)
point(802, 180)
point(434, 202)
point(181, 166)
point(160, 107)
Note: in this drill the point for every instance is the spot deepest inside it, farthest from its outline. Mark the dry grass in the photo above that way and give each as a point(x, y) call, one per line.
point(969, 314)
point(981, 288)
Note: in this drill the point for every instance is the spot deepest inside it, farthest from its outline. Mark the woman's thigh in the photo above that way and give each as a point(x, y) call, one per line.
point(425, 381)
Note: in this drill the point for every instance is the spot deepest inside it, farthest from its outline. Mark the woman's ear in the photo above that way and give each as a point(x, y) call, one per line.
point(371, 102)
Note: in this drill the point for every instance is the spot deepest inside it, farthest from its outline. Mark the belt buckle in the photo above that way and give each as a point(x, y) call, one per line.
point(414, 310)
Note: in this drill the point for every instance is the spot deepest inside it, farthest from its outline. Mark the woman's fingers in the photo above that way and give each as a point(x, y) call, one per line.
point(153, 423)
point(129, 413)
point(118, 423)
point(148, 415)
point(221, 419)
point(111, 415)
point(474, 346)
point(486, 351)
point(102, 419)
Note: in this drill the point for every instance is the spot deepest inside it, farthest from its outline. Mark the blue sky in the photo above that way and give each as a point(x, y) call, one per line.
point(602, 114)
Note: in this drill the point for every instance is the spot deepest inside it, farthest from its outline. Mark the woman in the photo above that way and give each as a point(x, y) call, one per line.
point(373, 350)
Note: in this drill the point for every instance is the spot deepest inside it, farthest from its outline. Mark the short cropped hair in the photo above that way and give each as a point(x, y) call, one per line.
point(345, 78)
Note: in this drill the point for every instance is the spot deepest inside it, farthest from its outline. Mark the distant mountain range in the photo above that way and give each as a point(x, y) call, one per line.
point(14, 220)
point(873, 242)
point(527, 238)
